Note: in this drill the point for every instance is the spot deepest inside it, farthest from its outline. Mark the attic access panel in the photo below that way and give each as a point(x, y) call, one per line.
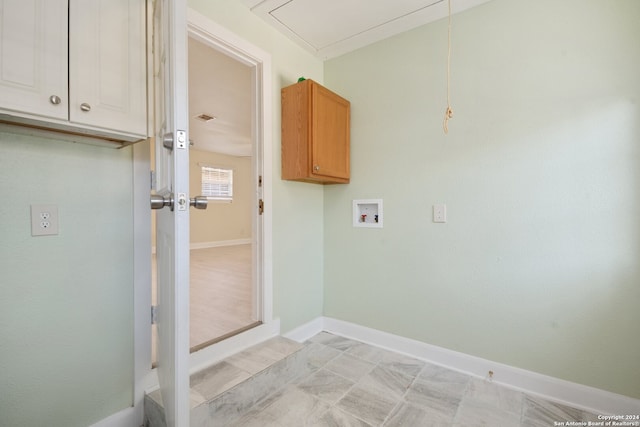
point(329, 28)
point(324, 23)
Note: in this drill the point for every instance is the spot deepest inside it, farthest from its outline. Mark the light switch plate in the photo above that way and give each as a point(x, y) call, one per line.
point(44, 220)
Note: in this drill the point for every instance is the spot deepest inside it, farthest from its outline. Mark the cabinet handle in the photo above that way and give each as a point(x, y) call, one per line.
point(85, 107)
point(55, 99)
point(316, 168)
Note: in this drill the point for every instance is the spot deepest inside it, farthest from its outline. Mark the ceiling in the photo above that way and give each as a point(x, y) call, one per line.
point(329, 28)
point(220, 86)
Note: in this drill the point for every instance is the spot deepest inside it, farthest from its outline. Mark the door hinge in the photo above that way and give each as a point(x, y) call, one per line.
point(260, 207)
point(260, 181)
point(154, 314)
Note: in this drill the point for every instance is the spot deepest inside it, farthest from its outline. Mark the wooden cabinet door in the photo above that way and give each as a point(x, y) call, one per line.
point(33, 57)
point(330, 134)
point(107, 64)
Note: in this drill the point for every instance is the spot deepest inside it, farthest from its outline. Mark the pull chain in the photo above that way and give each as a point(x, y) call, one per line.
point(448, 114)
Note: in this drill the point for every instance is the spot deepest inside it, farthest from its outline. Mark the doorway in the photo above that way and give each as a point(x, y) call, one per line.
point(221, 167)
point(227, 275)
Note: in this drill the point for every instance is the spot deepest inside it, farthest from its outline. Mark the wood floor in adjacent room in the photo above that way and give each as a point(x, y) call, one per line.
point(220, 293)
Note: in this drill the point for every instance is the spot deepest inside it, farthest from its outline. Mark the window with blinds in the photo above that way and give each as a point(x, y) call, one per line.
point(217, 183)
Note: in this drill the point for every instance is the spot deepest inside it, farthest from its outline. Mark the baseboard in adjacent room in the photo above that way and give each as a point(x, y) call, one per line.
point(219, 243)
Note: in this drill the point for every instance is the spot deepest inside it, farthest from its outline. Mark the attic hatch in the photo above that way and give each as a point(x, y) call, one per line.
point(205, 117)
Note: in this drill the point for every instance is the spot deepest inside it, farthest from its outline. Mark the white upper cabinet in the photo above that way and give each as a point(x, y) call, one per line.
point(75, 65)
point(107, 64)
point(33, 57)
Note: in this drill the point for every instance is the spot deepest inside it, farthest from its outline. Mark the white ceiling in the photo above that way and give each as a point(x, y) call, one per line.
point(221, 86)
point(329, 28)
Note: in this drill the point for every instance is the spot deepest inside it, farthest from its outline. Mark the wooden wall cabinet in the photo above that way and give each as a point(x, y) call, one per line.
point(77, 66)
point(315, 134)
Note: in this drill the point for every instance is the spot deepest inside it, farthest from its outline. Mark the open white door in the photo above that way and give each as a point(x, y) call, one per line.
point(172, 187)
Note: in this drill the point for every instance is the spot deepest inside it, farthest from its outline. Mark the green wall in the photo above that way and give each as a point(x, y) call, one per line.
point(538, 265)
point(297, 207)
point(66, 311)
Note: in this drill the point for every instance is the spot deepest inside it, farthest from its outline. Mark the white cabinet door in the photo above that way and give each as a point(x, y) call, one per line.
point(107, 64)
point(33, 57)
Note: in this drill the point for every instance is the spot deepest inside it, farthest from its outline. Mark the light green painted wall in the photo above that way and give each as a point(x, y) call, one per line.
point(538, 266)
point(297, 207)
point(66, 311)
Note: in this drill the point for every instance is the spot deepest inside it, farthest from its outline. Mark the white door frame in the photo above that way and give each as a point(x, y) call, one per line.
point(210, 34)
point(205, 30)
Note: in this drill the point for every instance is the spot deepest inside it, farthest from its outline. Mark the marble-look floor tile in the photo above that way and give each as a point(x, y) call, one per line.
point(333, 381)
point(440, 389)
point(263, 355)
point(494, 396)
point(482, 415)
point(336, 418)
point(429, 370)
point(403, 363)
point(406, 414)
point(441, 399)
point(293, 407)
point(281, 346)
point(536, 409)
point(257, 419)
point(369, 405)
point(157, 397)
point(445, 383)
point(387, 380)
point(195, 398)
point(326, 385)
point(436, 374)
point(216, 379)
point(368, 352)
point(528, 422)
point(320, 354)
point(335, 341)
point(322, 337)
point(350, 367)
point(255, 359)
point(589, 416)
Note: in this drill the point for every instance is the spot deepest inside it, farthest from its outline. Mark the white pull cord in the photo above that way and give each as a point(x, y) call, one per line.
point(448, 114)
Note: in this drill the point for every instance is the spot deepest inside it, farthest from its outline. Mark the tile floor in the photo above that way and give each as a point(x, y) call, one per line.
point(355, 384)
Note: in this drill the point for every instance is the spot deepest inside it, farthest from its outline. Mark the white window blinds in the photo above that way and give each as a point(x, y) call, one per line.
point(217, 183)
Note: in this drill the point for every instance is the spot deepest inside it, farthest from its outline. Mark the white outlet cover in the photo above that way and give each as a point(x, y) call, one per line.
point(44, 220)
point(440, 213)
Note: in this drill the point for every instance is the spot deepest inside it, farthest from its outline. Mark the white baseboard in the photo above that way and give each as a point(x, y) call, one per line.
point(562, 391)
point(130, 417)
point(216, 244)
point(306, 331)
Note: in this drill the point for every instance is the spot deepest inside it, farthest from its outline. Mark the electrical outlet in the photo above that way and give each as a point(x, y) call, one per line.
point(44, 220)
point(440, 213)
